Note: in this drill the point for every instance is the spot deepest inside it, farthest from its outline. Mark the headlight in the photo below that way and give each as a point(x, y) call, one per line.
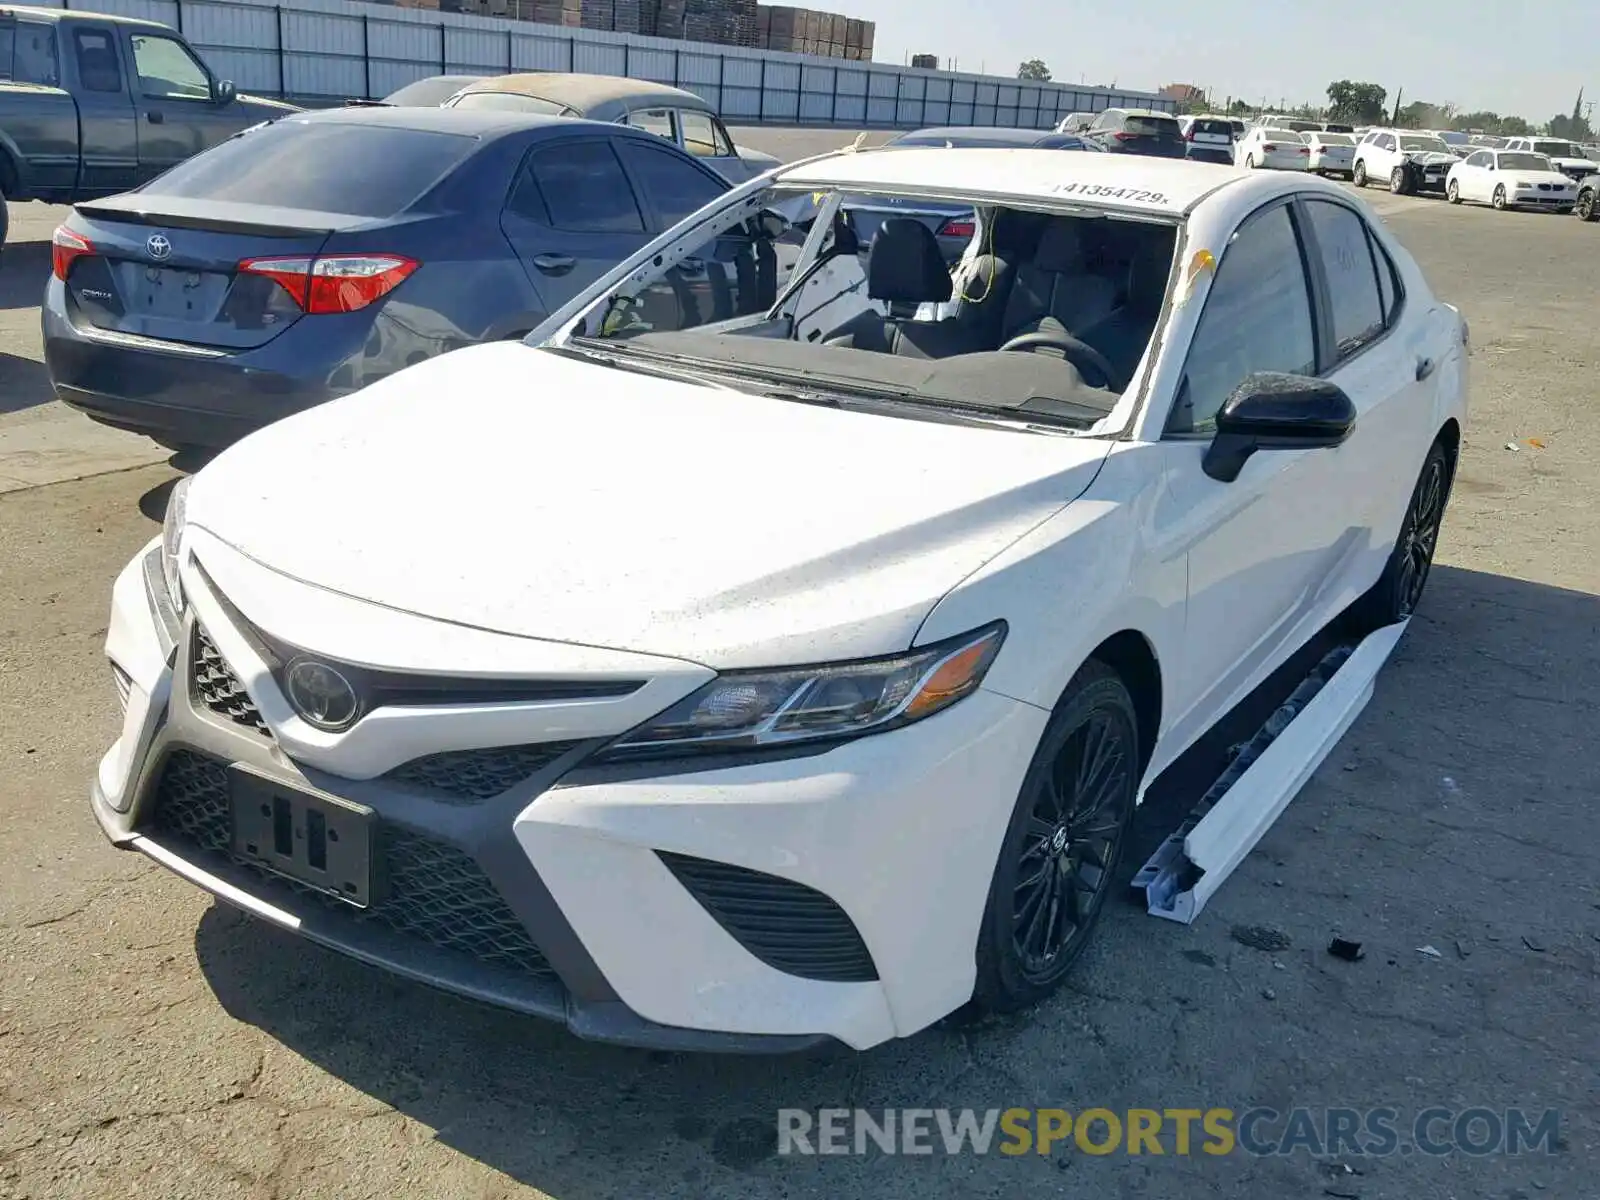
point(744, 710)
point(171, 538)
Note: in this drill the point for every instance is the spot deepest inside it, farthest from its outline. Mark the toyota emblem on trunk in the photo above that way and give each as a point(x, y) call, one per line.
point(321, 695)
point(158, 247)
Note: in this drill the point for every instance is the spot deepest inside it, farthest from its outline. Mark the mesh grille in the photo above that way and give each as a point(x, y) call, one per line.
point(469, 776)
point(214, 685)
point(436, 893)
point(785, 924)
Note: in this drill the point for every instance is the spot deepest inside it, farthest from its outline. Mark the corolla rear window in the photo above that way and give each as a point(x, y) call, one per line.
point(1282, 135)
point(1153, 126)
point(360, 170)
point(509, 102)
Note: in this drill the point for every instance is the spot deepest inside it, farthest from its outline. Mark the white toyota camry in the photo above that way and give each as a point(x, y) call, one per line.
point(758, 655)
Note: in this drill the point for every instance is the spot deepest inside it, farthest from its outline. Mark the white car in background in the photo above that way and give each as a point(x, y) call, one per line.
point(1566, 157)
point(1331, 153)
point(1406, 160)
point(1075, 122)
point(1511, 179)
point(565, 732)
point(1274, 149)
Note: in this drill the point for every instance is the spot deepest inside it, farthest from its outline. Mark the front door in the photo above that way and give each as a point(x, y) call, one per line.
point(177, 114)
point(1261, 547)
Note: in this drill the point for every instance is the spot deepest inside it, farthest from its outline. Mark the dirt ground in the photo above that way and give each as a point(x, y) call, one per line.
point(154, 1044)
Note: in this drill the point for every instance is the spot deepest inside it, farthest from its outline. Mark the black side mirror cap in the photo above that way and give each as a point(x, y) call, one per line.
point(223, 91)
point(1275, 411)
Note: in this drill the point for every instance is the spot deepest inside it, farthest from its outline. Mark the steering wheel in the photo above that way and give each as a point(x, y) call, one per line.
point(1079, 353)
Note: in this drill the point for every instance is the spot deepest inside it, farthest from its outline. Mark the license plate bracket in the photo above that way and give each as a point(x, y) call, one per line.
point(322, 842)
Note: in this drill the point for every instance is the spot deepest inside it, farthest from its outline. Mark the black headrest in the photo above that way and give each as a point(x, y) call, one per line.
point(905, 265)
point(1060, 248)
point(1147, 274)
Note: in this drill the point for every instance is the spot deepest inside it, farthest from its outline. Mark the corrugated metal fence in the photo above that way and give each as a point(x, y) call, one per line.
point(326, 51)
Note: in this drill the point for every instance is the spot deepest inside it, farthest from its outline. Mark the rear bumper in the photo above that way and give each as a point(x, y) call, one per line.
point(196, 397)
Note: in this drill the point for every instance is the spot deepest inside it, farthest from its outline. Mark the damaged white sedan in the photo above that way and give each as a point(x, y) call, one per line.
point(764, 654)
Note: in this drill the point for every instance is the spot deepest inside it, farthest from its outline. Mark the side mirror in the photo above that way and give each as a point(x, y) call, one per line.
point(1274, 411)
point(223, 92)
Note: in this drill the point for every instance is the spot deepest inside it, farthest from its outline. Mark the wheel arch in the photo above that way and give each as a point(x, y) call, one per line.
point(1131, 655)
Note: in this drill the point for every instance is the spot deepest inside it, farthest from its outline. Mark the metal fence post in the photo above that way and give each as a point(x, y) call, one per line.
point(444, 50)
point(511, 50)
point(283, 82)
point(761, 100)
point(627, 61)
point(366, 58)
point(677, 71)
point(572, 54)
point(177, 13)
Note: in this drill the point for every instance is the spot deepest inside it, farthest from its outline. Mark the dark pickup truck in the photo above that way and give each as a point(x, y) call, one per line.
point(92, 105)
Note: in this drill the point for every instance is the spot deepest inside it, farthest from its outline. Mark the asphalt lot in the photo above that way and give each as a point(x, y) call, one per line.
point(154, 1044)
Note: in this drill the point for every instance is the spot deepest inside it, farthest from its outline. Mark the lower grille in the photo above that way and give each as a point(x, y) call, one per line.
point(436, 893)
point(785, 924)
point(469, 776)
point(214, 685)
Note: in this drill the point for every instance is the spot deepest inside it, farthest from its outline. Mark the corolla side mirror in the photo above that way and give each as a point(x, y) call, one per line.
point(223, 91)
point(1274, 411)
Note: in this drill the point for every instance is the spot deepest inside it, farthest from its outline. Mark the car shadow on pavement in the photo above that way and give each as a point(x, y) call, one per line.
point(24, 267)
point(1488, 686)
point(24, 383)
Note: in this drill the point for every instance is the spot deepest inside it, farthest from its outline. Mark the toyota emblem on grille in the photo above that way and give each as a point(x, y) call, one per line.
point(158, 247)
point(321, 695)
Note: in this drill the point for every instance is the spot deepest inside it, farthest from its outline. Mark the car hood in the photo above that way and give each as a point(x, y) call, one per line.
point(1431, 157)
point(1576, 162)
point(512, 489)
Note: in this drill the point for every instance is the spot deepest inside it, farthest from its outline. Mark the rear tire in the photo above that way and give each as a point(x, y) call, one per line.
point(1394, 597)
point(1062, 847)
point(1358, 176)
point(1500, 198)
point(1452, 192)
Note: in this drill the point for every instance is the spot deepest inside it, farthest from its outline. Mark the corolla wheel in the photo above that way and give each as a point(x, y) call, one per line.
point(1359, 175)
point(1394, 597)
point(1063, 845)
point(1500, 197)
point(1453, 192)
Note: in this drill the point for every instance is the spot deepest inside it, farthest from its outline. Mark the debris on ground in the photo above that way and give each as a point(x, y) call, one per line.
point(1268, 994)
point(1531, 944)
point(1347, 950)
point(1512, 446)
point(1462, 949)
point(1261, 937)
point(1430, 951)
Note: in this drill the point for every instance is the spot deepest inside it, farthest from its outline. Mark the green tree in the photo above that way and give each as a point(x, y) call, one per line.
point(1034, 69)
point(1356, 103)
point(1514, 127)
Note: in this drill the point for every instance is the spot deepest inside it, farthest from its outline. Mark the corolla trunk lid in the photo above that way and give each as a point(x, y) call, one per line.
point(512, 489)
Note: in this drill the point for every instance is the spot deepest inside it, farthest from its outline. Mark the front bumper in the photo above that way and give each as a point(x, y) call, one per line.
point(571, 899)
point(1545, 195)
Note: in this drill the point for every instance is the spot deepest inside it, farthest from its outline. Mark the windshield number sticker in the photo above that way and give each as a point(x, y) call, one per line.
point(1106, 192)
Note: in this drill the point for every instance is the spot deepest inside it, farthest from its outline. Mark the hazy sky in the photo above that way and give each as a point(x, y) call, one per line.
point(1482, 54)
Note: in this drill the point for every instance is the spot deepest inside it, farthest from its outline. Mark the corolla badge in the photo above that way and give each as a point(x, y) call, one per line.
point(157, 247)
point(321, 695)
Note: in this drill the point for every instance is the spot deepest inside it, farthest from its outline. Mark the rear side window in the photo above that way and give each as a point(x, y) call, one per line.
point(1153, 127)
point(702, 136)
point(358, 170)
point(585, 188)
point(1341, 238)
point(675, 188)
point(34, 58)
point(98, 70)
point(1389, 292)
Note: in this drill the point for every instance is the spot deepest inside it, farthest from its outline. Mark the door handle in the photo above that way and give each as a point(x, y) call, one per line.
point(554, 264)
point(155, 118)
point(1424, 368)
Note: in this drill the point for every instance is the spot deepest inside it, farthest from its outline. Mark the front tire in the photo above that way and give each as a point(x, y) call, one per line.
point(1394, 597)
point(1452, 192)
point(1063, 845)
point(1585, 208)
point(1500, 198)
point(1397, 181)
point(1359, 175)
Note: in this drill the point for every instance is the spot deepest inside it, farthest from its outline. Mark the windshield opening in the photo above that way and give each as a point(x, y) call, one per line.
point(1033, 316)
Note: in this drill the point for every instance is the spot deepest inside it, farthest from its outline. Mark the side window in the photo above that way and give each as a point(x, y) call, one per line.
point(655, 120)
point(674, 187)
point(1480, 159)
point(585, 188)
point(1257, 318)
point(1389, 294)
point(35, 60)
point(735, 275)
point(1106, 119)
point(8, 39)
point(1387, 142)
point(168, 70)
point(98, 70)
point(704, 136)
point(1346, 255)
point(526, 200)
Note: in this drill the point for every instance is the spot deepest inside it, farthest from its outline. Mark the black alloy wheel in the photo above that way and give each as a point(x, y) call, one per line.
point(1395, 595)
point(1063, 845)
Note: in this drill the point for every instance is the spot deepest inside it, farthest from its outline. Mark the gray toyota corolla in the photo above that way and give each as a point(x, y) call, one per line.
point(307, 258)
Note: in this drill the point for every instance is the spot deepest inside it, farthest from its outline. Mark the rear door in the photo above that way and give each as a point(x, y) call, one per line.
point(572, 215)
point(172, 91)
point(46, 136)
point(110, 139)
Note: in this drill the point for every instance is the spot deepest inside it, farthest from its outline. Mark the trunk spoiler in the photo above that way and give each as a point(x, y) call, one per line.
point(263, 220)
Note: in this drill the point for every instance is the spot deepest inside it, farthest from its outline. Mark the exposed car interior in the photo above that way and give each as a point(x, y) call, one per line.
point(1041, 306)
